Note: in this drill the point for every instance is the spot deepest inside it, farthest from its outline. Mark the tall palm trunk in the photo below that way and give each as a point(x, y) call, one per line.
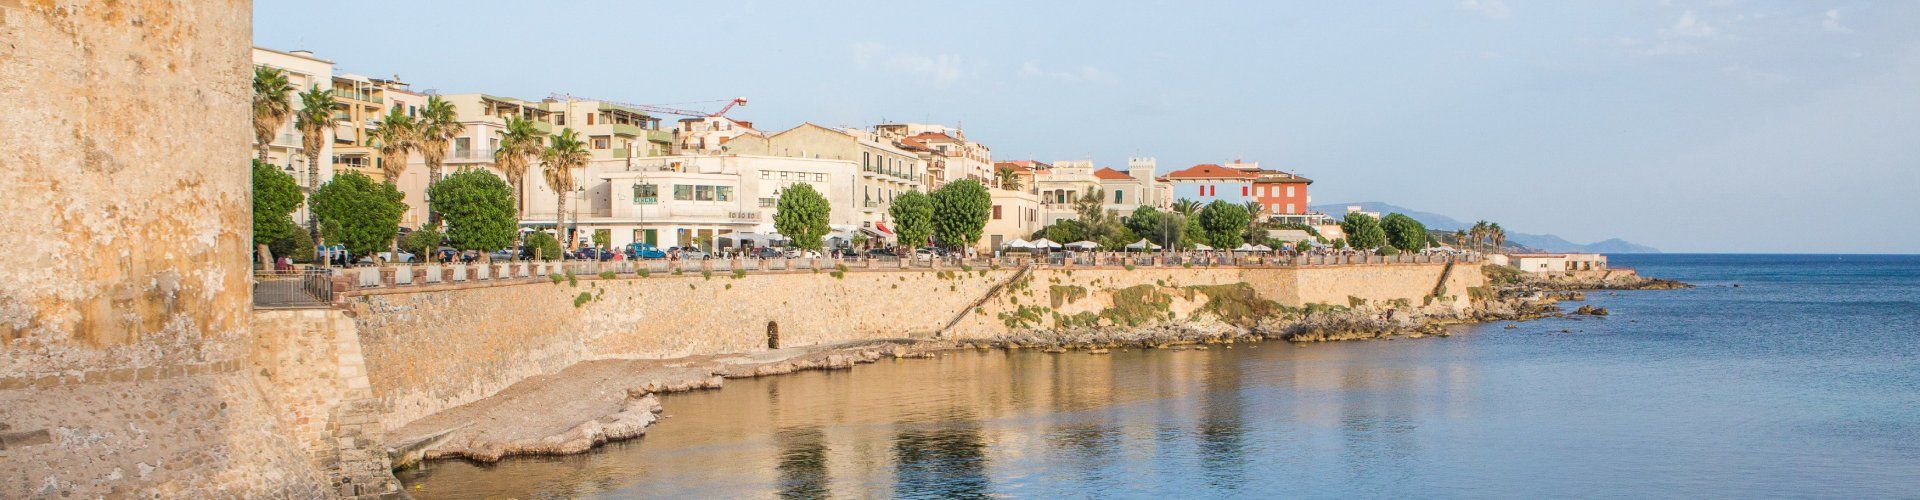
point(433, 178)
point(560, 224)
point(313, 186)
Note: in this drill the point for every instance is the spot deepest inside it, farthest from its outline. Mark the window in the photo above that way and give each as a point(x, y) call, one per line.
point(589, 119)
point(646, 194)
point(560, 119)
point(682, 192)
point(703, 193)
point(766, 174)
point(996, 212)
point(1117, 198)
point(820, 177)
point(601, 141)
point(723, 193)
point(783, 176)
point(1289, 195)
point(866, 159)
point(1244, 190)
point(1289, 208)
point(462, 146)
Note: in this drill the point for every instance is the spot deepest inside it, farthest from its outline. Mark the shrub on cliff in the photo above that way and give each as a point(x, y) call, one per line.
point(1224, 222)
point(960, 212)
point(1363, 232)
point(913, 218)
point(359, 212)
point(801, 215)
point(275, 196)
point(478, 209)
point(1404, 233)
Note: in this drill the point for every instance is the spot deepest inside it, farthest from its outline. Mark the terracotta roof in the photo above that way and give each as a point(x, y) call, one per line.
point(933, 136)
point(1026, 164)
point(1210, 171)
point(1278, 177)
point(1111, 174)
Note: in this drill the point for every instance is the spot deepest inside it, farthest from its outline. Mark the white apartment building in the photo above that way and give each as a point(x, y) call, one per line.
point(710, 201)
point(305, 72)
point(885, 171)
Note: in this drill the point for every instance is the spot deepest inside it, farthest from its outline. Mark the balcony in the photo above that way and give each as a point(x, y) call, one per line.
point(743, 216)
point(619, 152)
point(482, 154)
point(543, 127)
point(628, 130)
point(769, 202)
point(660, 136)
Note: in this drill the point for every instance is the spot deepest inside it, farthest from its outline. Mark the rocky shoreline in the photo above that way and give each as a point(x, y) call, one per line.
point(596, 402)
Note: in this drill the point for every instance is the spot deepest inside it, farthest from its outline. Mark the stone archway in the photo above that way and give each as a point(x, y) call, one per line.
point(773, 335)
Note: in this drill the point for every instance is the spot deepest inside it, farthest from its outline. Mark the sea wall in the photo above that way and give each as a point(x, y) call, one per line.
point(311, 372)
point(429, 350)
point(124, 301)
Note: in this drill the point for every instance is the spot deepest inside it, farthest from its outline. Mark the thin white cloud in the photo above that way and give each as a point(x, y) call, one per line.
point(941, 69)
point(1684, 36)
point(1831, 22)
point(1032, 69)
point(1493, 9)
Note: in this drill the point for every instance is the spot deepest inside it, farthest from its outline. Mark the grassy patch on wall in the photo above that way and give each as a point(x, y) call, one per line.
point(1138, 305)
point(1236, 303)
point(1023, 317)
point(1065, 294)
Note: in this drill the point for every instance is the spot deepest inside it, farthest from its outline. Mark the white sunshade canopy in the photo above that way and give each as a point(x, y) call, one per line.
point(1201, 246)
point(1083, 244)
point(1243, 248)
point(1017, 243)
point(1045, 243)
point(1262, 248)
point(1143, 244)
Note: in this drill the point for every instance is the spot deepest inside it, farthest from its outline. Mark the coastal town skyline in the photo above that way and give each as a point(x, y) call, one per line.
point(1456, 91)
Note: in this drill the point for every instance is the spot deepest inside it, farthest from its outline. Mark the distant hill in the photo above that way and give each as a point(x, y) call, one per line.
point(1542, 242)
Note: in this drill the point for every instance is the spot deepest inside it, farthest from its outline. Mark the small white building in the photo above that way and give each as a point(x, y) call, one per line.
point(1554, 263)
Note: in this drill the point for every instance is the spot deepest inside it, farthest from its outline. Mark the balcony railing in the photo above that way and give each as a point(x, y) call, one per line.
point(743, 216)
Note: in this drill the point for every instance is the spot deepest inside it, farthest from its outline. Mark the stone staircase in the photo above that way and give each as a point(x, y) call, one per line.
point(1440, 287)
point(977, 303)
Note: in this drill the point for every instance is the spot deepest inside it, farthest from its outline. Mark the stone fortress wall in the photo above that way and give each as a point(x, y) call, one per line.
point(124, 304)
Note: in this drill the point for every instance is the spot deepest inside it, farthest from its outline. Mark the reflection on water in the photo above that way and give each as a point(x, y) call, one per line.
point(1656, 400)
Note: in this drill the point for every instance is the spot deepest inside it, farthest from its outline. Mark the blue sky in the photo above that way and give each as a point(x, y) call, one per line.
point(1710, 126)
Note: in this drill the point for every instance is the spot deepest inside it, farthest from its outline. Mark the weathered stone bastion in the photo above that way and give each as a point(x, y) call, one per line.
point(124, 304)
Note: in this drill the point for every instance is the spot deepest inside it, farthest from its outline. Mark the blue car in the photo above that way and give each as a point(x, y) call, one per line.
point(644, 251)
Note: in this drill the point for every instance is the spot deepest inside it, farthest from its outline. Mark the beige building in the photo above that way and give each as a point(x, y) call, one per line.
point(359, 104)
point(1015, 215)
point(286, 151)
point(945, 151)
point(886, 171)
point(708, 134)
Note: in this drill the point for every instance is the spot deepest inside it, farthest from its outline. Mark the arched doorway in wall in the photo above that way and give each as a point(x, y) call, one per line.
point(773, 335)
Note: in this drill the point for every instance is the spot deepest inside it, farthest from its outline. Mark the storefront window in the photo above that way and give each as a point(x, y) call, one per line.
point(682, 192)
point(703, 193)
point(723, 193)
point(646, 194)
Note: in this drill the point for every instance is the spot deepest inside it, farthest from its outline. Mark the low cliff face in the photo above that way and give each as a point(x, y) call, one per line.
point(428, 351)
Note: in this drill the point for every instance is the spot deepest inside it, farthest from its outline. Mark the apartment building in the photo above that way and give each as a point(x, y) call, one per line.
point(305, 72)
point(1283, 197)
point(1207, 182)
point(612, 131)
point(886, 171)
point(945, 151)
point(713, 201)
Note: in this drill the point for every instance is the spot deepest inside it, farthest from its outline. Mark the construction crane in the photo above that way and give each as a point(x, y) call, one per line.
point(737, 101)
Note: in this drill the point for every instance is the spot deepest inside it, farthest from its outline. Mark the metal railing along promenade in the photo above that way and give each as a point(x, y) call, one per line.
point(311, 287)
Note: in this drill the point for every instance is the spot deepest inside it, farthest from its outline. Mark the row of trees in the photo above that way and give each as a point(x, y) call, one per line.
point(1218, 224)
point(1395, 232)
point(397, 136)
point(363, 215)
point(954, 215)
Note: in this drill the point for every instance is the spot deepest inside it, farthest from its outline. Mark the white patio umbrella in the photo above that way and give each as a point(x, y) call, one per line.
point(1201, 246)
point(1262, 248)
point(1143, 244)
point(1045, 243)
point(1083, 245)
point(1243, 248)
point(1017, 243)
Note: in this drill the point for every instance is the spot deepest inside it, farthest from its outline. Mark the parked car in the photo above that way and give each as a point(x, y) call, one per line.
point(645, 251)
point(501, 255)
point(882, 252)
point(591, 253)
point(693, 253)
point(331, 253)
point(405, 257)
point(924, 254)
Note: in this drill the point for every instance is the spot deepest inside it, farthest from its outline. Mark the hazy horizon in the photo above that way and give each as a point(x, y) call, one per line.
point(1712, 126)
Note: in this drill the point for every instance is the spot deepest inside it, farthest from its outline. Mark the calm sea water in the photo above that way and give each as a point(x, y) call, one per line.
point(1803, 381)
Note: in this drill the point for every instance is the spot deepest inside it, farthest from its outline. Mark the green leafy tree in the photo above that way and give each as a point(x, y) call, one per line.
point(275, 196)
point(395, 136)
point(1403, 232)
point(543, 244)
point(913, 218)
point(423, 242)
point(960, 211)
point(477, 208)
point(297, 244)
point(1186, 207)
point(1225, 223)
point(1064, 231)
point(1363, 231)
point(357, 212)
point(801, 215)
point(272, 105)
point(1194, 233)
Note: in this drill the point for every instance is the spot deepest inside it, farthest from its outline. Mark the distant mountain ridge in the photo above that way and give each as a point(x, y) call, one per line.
point(1545, 242)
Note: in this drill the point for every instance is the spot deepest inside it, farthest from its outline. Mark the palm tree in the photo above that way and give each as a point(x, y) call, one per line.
point(271, 106)
point(519, 144)
point(439, 124)
point(1478, 232)
point(1497, 234)
point(1008, 179)
point(313, 120)
point(1460, 238)
point(557, 163)
point(395, 135)
point(1186, 207)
